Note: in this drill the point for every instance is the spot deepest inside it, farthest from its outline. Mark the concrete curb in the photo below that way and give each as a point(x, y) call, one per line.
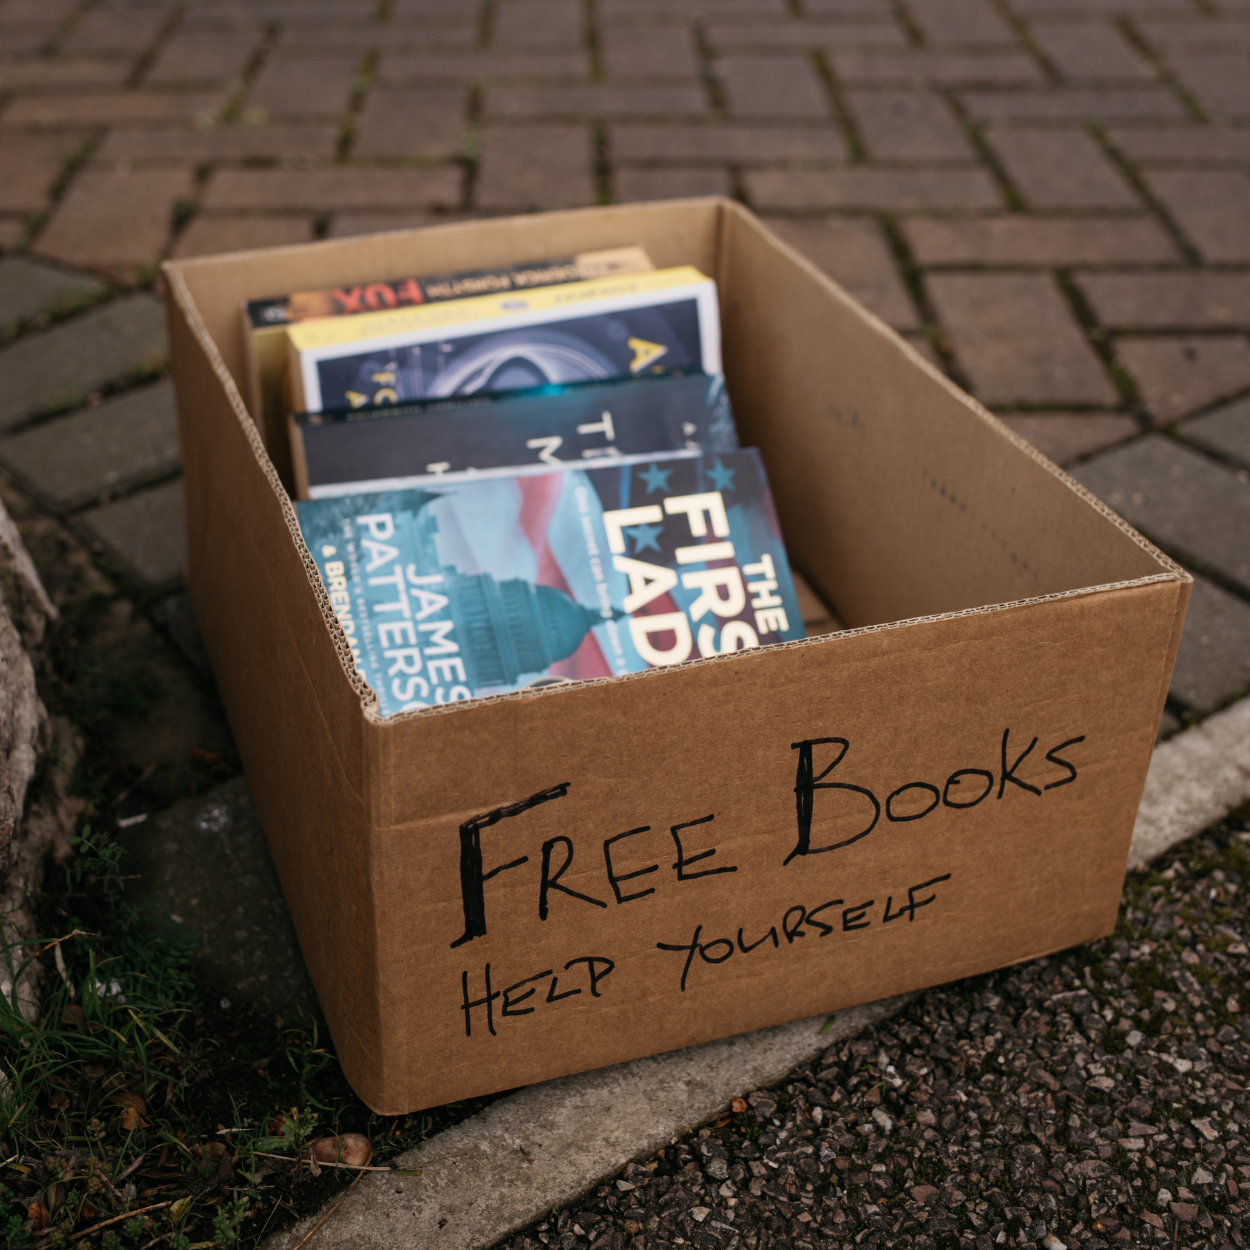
point(1194, 779)
point(496, 1172)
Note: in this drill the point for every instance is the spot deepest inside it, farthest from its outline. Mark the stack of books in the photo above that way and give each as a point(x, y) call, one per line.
point(524, 475)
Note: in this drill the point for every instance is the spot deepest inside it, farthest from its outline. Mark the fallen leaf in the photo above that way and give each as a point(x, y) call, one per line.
point(124, 1098)
point(130, 1117)
point(73, 1014)
point(354, 1149)
point(37, 1214)
point(178, 1210)
point(738, 1106)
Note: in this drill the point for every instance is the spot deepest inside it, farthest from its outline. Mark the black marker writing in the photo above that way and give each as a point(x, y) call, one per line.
point(472, 878)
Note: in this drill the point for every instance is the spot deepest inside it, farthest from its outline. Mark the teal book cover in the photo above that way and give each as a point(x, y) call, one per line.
point(475, 587)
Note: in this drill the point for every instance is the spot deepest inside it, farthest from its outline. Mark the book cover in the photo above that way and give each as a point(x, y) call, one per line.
point(345, 452)
point(363, 297)
point(583, 332)
point(480, 587)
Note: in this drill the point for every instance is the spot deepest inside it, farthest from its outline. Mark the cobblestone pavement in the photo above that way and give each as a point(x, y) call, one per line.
point(1051, 198)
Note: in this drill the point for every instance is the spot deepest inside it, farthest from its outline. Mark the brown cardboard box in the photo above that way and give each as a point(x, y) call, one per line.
point(645, 862)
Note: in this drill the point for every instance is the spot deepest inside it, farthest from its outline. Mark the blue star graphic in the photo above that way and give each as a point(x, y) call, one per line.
point(645, 536)
point(722, 478)
point(655, 478)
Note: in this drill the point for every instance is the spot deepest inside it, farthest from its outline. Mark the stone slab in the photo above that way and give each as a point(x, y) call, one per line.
point(1225, 432)
point(28, 288)
point(1188, 504)
point(58, 368)
point(1069, 436)
point(146, 532)
point(205, 862)
point(110, 447)
point(1213, 664)
point(1178, 375)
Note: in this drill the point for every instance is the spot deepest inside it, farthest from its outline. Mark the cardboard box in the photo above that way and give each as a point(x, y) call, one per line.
point(502, 891)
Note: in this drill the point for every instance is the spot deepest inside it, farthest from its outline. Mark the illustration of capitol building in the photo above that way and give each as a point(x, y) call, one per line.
point(506, 629)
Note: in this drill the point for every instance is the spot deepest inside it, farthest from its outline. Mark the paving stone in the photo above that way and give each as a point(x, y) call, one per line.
point(650, 52)
point(325, 190)
point(198, 58)
point(631, 12)
point(758, 144)
point(1182, 144)
point(103, 31)
point(1014, 239)
point(753, 36)
point(934, 69)
point(1176, 376)
point(908, 126)
point(117, 444)
point(1090, 51)
point(311, 86)
point(1226, 432)
point(1065, 437)
point(1061, 169)
point(1213, 663)
point(175, 615)
point(29, 165)
point(219, 143)
point(1218, 82)
point(426, 69)
point(889, 189)
point(1112, 8)
point(28, 288)
point(1189, 505)
point(146, 532)
point(416, 121)
point(1208, 35)
point(60, 366)
point(248, 950)
point(1211, 206)
point(345, 225)
point(1159, 301)
point(115, 219)
point(631, 185)
point(854, 253)
point(960, 22)
point(1075, 103)
point(537, 22)
point(772, 86)
point(12, 233)
point(535, 167)
point(209, 235)
point(44, 75)
point(1015, 336)
point(85, 108)
point(598, 101)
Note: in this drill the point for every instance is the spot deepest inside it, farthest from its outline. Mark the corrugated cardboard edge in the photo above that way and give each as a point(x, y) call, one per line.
point(368, 699)
point(180, 294)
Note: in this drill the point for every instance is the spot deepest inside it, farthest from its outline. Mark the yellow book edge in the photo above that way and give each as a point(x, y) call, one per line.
point(309, 336)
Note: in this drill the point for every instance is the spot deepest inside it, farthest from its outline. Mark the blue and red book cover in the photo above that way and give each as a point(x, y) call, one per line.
point(478, 586)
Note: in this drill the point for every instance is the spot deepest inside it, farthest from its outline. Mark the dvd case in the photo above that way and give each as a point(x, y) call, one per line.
point(622, 327)
point(346, 452)
point(483, 586)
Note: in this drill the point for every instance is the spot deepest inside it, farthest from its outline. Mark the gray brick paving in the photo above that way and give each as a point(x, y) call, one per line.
point(1213, 664)
point(28, 288)
point(145, 532)
point(117, 444)
point(1181, 499)
point(1225, 432)
point(62, 365)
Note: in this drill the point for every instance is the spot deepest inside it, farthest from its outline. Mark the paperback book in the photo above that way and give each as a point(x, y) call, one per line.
point(345, 452)
point(481, 586)
point(621, 327)
point(265, 320)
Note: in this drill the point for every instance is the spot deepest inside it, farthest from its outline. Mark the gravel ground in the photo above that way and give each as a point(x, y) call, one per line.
point(1094, 1098)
